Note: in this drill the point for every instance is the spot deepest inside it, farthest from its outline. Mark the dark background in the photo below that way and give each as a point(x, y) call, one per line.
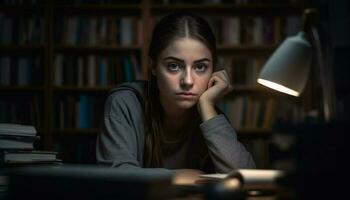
point(334, 22)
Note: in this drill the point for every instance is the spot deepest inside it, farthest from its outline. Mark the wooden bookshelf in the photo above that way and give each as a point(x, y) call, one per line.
point(246, 50)
point(232, 9)
point(102, 10)
point(146, 12)
point(256, 90)
point(22, 10)
point(22, 89)
point(97, 49)
point(17, 49)
point(94, 89)
point(76, 132)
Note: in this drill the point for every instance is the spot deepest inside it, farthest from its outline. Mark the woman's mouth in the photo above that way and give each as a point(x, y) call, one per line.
point(186, 95)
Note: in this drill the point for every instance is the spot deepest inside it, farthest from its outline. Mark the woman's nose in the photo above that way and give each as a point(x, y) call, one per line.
point(187, 80)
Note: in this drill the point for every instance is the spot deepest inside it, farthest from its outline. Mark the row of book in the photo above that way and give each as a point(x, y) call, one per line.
point(259, 148)
point(261, 112)
point(21, 109)
point(249, 112)
point(97, 2)
point(293, 112)
point(78, 111)
point(78, 150)
point(20, 71)
point(128, 30)
point(17, 146)
point(19, 2)
point(21, 30)
point(73, 30)
point(243, 71)
point(253, 30)
point(96, 70)
point(220, 1)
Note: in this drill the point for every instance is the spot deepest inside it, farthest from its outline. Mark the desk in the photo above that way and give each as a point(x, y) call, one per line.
point(191, 185)
point(212, 191)
point(201, 197)
point(92, 183)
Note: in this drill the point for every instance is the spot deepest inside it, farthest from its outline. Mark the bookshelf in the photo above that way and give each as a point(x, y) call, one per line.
point(87, 47)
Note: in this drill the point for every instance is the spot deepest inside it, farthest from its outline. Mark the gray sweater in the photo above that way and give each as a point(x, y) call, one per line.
point(210, 146)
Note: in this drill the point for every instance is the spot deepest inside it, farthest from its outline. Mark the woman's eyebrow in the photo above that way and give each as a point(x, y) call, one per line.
point(180, 60)
point(202, 60)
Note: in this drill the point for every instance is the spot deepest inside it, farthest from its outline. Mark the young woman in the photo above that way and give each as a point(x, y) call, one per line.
point(171, 121)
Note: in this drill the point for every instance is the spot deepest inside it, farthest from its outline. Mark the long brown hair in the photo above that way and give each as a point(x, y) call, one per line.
point(169, 28)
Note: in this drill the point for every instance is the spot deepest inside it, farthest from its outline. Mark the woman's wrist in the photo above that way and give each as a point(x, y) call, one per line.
point(206, 110)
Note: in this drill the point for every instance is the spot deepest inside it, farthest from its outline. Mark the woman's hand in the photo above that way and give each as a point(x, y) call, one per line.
point(218, 86)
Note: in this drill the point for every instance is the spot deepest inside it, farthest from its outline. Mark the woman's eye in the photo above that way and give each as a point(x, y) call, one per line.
point(200, 67)
point(173, 66)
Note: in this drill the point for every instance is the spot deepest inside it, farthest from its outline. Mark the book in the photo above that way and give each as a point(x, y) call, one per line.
point(17, 129)
point(263, 179)
point(17, 143)
point(17, 136)
point(27, 157)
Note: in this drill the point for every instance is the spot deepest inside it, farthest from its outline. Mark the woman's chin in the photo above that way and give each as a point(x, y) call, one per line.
point(186, 104)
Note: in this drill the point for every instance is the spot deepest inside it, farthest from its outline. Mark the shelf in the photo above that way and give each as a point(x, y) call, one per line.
point(248, 89)
point(253, 133)
point(19, 49)
point(254, 90)
point(76, 132)
point(96, 49)
point(232, 9)
point(93, 89)
point(14, 89)
point(246, 50)
point(95, 10)
point(47, 94)
point(21, 10)
point(342, 90)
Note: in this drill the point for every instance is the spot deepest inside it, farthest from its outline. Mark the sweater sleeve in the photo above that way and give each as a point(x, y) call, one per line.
point(119, 142)
point(225, 150)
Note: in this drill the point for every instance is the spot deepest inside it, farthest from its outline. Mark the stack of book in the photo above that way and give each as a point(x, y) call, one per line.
point(17, 146)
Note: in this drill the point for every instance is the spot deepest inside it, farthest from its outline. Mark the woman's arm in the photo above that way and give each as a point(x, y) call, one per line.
point(218, 86)
point(120, 143)
point(225, 150)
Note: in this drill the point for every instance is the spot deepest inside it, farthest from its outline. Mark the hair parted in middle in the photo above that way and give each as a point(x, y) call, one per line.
point(170, 28)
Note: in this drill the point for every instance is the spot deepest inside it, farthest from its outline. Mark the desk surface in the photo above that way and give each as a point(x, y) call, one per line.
point(58, 181)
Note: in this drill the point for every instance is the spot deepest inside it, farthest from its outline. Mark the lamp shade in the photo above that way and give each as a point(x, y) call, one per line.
point(287, 70)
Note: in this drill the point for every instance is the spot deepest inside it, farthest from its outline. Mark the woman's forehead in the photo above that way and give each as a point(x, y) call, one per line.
point(186, 48)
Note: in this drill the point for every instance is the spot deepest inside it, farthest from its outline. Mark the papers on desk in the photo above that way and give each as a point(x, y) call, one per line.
point(214, 176)
point(250, 178)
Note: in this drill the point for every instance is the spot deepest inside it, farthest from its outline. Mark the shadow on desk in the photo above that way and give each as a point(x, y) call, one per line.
point(87, 182)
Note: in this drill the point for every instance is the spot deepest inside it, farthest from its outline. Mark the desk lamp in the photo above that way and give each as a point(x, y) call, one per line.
point(288, 69)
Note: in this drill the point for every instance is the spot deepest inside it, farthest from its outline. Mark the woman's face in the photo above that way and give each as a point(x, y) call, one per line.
point(183, 70)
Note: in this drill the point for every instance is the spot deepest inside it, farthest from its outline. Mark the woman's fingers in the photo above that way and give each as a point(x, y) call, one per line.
point(223, 75)
point(218, 86)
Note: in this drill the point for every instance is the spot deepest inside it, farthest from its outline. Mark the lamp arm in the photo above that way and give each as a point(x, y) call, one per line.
point(328, 95)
